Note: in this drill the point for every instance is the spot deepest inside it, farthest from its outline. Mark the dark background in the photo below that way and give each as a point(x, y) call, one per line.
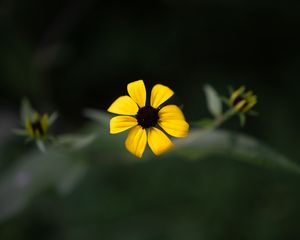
point(70, 55)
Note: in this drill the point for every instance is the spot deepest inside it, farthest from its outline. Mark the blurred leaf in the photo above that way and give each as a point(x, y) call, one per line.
point(98, 116)
point(200, 144)
point(41, 146)
point(32, 174)
point(214, 103)
point(75, 141)
point(52, 118)
point(26, 110)
point(20, 132)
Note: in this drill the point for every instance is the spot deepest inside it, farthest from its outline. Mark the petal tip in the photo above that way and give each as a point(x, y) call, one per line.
point(136, 141)
point(159, 94)
point(137, 91)
point(124, 105)
point(158, 141)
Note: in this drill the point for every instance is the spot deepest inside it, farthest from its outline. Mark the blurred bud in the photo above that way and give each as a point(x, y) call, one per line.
point(242, 101)
point(37, 126)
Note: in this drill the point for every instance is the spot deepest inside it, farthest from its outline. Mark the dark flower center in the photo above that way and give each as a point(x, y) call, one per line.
point(238, 100)
point(37, 127)
point(147, 116)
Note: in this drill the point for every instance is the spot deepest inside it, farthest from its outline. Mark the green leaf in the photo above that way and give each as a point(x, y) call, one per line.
point(201, 143)
point(214, 102)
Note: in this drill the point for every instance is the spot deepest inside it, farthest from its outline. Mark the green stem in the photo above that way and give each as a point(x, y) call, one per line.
point(221, 119)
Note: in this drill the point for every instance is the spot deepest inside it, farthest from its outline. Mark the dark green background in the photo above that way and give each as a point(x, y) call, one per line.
point(70, 55)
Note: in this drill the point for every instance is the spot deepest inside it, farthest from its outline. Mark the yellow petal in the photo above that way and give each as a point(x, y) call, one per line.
point(121, 123)
point(170, 112)
point(250, 104)
point(137, 92)
point(158, 141)
point(29, 127)
point(124, 105)
point(136, 141)
point(236, 93)
point(240, 105)
point(177, 128)
point(159, 95)
point(35, 117)
point(44, 123)
point(252, 98)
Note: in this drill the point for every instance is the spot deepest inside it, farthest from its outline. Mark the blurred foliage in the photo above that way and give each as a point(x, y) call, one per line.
point(77, 159)
point(68, 55)
point(213, 100)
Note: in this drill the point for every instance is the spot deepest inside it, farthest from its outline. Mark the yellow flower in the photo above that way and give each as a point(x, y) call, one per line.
point(149, 122)
point(37, 126)
point(242, 101)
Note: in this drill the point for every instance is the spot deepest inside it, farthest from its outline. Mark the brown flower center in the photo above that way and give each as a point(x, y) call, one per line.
point(238, 100)
point(147, 117)
point(37, 127)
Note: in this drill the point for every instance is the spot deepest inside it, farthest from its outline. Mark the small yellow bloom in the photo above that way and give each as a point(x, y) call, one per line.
point(242, 101)
point(37, 126)
point(148, 122)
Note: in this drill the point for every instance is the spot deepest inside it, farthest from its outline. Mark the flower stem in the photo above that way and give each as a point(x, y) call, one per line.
point(221, 119)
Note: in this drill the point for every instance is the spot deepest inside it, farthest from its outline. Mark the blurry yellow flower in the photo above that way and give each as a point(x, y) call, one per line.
point(242, 101)
point(37, 126)
point(154, 118)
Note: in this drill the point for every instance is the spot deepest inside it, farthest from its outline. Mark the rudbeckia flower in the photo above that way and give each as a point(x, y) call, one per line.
point(37, 126)
point(242, 101)
point(148, 122)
